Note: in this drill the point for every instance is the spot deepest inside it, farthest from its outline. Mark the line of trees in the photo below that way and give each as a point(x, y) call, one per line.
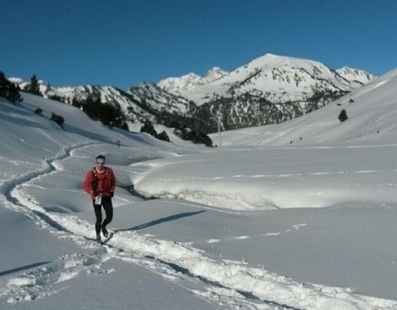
point(108, 114)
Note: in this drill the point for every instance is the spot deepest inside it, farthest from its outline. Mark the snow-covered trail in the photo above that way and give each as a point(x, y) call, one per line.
point(217, 280)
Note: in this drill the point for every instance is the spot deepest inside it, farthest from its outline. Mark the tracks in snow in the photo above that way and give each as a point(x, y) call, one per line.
point(224, 282)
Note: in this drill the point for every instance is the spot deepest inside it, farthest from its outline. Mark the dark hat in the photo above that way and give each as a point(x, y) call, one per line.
point(100, 159)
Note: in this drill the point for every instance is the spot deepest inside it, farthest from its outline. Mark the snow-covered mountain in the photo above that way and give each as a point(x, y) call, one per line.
point(275, 78)
point(190, 81)
point(140, 103)
point(160, 100)
point(267, 90)
point(371, 112)
point(355, 75)
point(107, 94)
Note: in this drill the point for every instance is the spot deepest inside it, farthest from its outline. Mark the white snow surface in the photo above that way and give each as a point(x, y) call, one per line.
point(299, 215)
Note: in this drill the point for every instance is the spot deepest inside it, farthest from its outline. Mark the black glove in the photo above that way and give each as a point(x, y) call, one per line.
point(111, 194)
point(95, 193)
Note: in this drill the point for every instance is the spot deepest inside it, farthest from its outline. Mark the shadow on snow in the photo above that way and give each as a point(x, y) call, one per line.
point(160, 221)
point(3, 273)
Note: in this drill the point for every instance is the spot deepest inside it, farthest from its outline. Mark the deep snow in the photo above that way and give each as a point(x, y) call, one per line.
point(300, 215)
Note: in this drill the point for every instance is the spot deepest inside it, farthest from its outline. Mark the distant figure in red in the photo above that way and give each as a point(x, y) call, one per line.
point(100, 183)
point(118, 143)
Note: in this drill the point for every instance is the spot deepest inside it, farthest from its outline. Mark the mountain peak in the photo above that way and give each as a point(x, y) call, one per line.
point(360, 76)
point(214, 74)
point(272, 60)
point(185, 82)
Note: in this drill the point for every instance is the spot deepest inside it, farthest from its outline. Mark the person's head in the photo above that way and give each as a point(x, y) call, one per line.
point(100, 161)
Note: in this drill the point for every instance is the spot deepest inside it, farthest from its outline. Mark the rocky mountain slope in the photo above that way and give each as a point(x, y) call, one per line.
point(267, 90)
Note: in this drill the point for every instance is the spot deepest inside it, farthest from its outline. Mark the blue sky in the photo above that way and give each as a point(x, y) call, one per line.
point(124, 42)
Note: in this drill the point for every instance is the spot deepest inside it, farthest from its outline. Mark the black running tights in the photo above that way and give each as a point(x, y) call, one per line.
point(108, 207)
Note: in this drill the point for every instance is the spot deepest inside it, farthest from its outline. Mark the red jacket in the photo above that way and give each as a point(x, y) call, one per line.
point(100, 182)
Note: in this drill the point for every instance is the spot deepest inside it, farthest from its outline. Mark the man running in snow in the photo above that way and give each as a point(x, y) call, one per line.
point(100, 183)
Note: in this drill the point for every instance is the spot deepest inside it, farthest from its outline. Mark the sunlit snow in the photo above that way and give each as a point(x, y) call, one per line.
point(299, 215)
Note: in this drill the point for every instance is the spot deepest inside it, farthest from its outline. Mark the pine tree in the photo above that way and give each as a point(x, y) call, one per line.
point(149, 128)
point(8, 90)
point(343, 116)
point(33, 87)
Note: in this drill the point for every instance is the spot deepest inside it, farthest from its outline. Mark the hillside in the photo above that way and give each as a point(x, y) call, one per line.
point(270, 89)
point(260, 224)
point(371, 111)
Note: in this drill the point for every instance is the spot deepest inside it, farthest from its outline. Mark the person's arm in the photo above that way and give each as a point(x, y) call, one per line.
point(113, 182)
point(87, 182)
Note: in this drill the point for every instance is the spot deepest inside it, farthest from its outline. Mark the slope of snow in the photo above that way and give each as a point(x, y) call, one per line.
point(295, 216)
point(371, 111)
